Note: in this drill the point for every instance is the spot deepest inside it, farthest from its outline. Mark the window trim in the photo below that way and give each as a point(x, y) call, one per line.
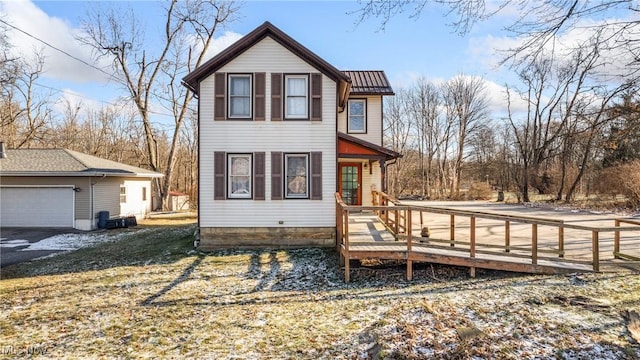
point(230, 195)
point(230, 96)
point(286, 176)
point(286, 96)
point(349, 130)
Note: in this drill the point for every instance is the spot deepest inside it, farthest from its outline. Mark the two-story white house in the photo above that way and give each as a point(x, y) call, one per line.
point(281, 130)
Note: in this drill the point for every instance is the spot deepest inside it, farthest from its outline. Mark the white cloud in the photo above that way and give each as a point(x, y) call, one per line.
point(220, 43)
point(29, 18)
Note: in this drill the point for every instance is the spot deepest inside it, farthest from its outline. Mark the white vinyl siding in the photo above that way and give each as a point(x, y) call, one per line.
point(291, 137)
point(135, 205)
point(374, 121)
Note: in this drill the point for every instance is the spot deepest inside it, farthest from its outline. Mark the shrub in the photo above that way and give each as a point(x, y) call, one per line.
point(622, 179)
point(479, 191)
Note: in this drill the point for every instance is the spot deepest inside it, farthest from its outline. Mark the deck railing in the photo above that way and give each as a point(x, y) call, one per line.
point(398, 219)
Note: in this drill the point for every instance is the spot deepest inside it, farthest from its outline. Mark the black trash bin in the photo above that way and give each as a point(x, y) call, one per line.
point(103, 216)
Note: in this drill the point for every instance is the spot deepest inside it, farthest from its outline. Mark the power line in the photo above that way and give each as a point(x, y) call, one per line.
point(62, 51)
point(84, 62)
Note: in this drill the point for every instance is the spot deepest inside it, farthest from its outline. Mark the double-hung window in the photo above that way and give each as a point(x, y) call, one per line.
point(296, 167)
point(123, 194)
point(357, 116)
point(240, 96)
point(296, 96)
point(240, 169)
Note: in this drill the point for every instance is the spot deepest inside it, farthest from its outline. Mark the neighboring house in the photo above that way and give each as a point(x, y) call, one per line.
point(64, 188)
point(281, 130)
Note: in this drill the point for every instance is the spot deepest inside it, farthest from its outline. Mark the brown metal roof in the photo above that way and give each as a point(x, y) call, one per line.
point(369, 82)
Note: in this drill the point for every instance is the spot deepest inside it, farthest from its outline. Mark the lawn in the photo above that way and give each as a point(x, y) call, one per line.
point(148, 294)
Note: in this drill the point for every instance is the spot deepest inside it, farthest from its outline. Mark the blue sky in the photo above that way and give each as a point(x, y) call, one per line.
point(406, 49)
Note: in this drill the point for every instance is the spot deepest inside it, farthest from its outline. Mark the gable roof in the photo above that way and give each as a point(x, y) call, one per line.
point(266, 29)
point(369, 82)
point(64, 162)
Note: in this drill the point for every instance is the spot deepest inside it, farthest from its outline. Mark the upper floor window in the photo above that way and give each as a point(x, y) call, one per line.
point(296, 96)
point(240, 96)
point(357, 116)
point(239, 176)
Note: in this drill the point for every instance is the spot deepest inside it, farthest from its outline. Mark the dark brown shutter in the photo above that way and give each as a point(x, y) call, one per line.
point(219, 175)
point(276, 175)
point(316, 97)
point(276, 97)
point(259, 102)
point(258, 176)
point(316, 176)
point(220, 98)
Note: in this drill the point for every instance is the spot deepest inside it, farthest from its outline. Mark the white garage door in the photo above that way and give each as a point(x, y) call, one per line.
point(36, 206)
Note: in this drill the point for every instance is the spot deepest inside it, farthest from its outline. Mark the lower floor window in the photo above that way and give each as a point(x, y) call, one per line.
point(296, 174)
point(239, 176)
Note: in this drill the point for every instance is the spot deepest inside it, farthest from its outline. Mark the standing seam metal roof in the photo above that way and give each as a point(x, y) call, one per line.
point(369, 82)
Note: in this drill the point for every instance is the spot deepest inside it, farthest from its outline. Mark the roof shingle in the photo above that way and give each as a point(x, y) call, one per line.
point(62, 161)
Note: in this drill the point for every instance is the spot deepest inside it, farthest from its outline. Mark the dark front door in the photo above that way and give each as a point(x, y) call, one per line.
point(350, 183)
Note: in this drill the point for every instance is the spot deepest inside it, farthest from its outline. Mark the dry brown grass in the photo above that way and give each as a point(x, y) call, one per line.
point(151, 296)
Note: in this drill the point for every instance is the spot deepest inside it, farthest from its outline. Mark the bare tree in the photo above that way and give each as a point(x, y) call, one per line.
point(151, 75)
point(538, 24)
point(466, 105)
point(24, 112)
point(424, 102)
point(397, 132)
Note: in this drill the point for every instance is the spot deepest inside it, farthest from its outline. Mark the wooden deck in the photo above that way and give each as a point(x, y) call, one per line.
point(392, 231)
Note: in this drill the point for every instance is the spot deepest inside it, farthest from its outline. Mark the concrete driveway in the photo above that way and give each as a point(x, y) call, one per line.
point(12, 240)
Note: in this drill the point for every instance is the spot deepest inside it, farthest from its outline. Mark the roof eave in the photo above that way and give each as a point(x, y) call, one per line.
point(81, 174)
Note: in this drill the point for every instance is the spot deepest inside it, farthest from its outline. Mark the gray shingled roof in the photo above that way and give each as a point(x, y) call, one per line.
point(369, 82)
point(43, 162)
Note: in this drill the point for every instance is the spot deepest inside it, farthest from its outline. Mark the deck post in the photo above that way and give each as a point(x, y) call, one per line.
point(409, 238)
point(421, 220)
point(452, 229)
point(616, 240)
point(396, 221)
point(596, 250)
point(507, 235)
point(561, 239)
point(472, 244)
point(346, 245)
point(534, 243)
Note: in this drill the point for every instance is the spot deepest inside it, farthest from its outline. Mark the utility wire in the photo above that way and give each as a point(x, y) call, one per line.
point(120, 81)
point(62, 51)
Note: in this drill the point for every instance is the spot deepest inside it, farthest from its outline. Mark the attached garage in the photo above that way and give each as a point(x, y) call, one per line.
point(37, 206)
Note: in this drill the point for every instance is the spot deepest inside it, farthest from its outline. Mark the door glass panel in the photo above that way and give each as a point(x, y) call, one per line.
point(350, 184)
